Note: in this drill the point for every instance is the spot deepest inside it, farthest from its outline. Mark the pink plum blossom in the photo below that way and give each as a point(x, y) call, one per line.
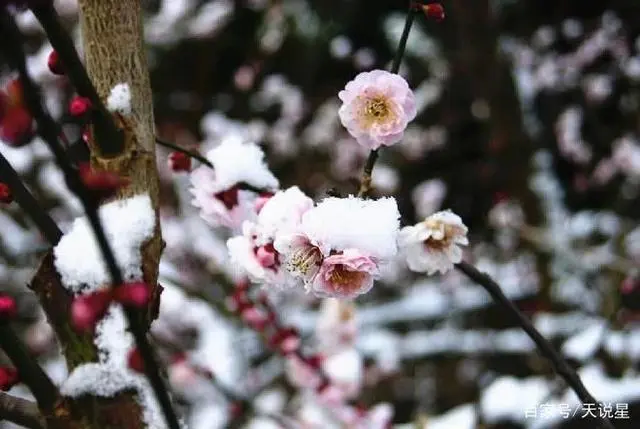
point(345, 275)
point(377, 107)
point(254, 250)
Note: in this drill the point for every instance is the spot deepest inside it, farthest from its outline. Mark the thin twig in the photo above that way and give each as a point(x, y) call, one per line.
point(365, 182)
point(109, 138)
point(43, 389)
point(20, 411)
point(191, 154)
point(46, 225)
point(560, 365)
point(49, 131)
point(195, 155)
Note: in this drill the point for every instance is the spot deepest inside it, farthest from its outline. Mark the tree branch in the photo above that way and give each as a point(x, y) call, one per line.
point(47, 227)
point(43, 389)
point(49, 131)
point(560, 365)
point(109, 138)
point(20, 411)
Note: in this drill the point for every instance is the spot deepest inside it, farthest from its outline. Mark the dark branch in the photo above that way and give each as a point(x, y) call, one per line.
point(20, 411)
point(49, 131)
point(560, 365)
point(187, 152)
point(109, 138)
point(47, 227)
point(43, 389)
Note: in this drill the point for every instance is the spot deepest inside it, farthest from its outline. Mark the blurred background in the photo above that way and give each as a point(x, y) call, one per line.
point(528, 128)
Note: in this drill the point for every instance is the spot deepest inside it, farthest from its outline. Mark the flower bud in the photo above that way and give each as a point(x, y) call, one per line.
point(16, 127)
point(179, 162)
point(55, 64)
point(80, 106)
point(135, 294)
point(104, 183)
point(8, 378)
point(8, 308)
point(434, 11)
point(5, 194)
point(87, 310)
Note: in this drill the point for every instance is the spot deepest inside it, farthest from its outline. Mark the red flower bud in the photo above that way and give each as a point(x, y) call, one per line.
point(54, 63)
point(434, 11)
point(135, 294)
point(16, 126)
point(80, 106)
point(104, 183)
point(5, 194)
point(8, 308)
point(8, 378)
point(15, 93)
point(87, 310)
point(179, 161)
point(135, 361)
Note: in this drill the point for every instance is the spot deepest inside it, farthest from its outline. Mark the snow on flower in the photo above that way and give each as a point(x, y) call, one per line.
point(377, 106)
point(254, 250)
point(127, 223)
point(433, 244)
point(216, 192)
point(119, 99)
point(339, 245)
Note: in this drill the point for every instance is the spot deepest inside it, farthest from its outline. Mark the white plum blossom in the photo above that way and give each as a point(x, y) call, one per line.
point(377, 107)
point(433, 245)
point(254, 251)
point(340, 244)
point(216, 192)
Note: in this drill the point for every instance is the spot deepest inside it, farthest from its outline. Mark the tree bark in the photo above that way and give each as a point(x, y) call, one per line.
point(112, 36)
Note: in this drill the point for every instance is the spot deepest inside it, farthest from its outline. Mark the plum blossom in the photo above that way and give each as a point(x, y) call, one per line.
point(433, 244)
point(345, 275)
point(340, 244)
point(377, 107)
point(254, 250)
point(216, 192)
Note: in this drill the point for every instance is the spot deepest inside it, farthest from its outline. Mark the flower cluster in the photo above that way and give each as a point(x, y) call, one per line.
point(217, 191)
point(334, 248)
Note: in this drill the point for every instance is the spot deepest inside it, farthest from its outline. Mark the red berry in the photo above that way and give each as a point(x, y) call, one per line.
point(179, 161)
point(8, 307)
point(79, 106)
point(5, 194)
point(8, 378)
point(54, 63)
point(133, 294)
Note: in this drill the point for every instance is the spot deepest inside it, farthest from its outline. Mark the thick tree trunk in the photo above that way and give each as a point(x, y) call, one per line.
point(114, 52)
